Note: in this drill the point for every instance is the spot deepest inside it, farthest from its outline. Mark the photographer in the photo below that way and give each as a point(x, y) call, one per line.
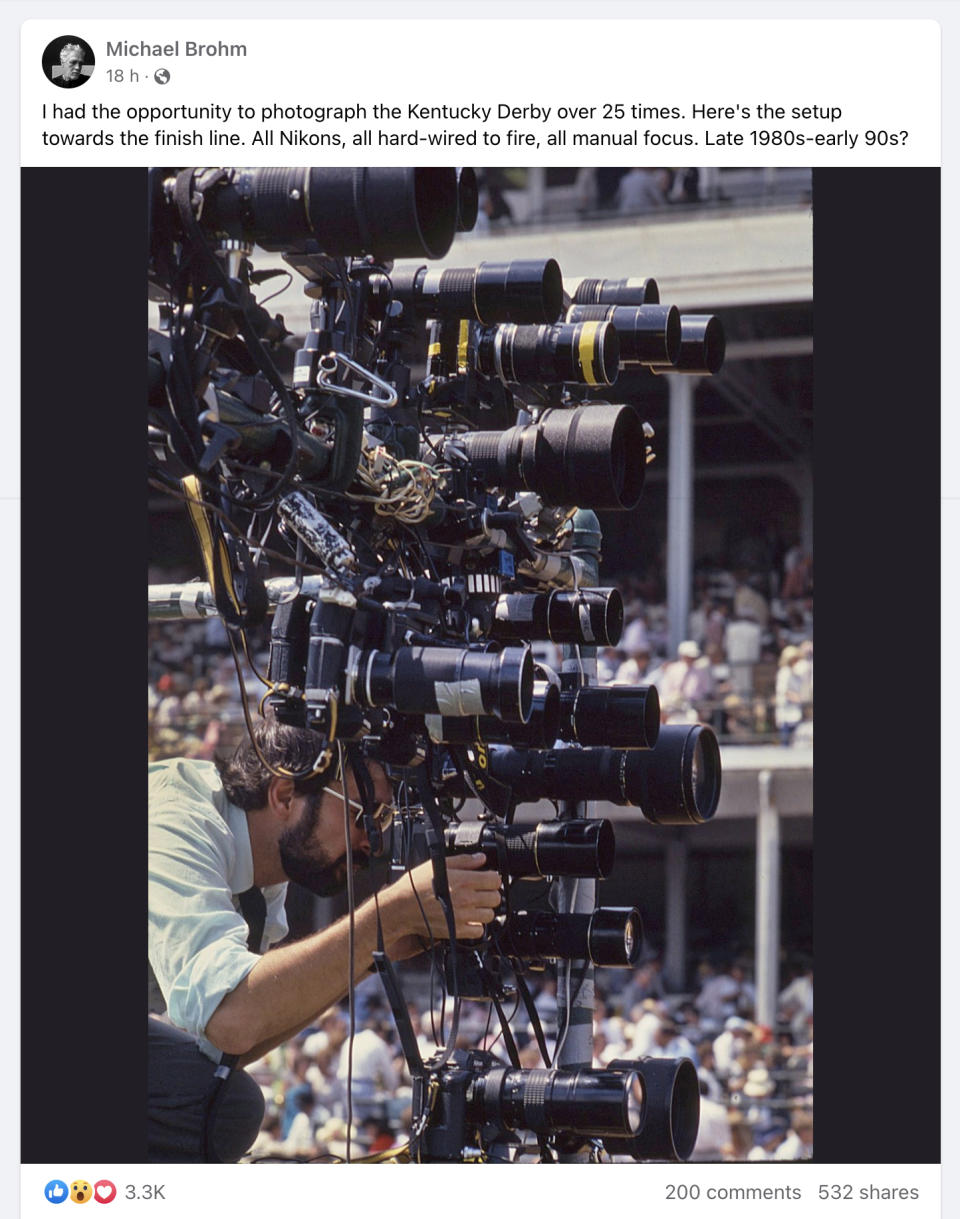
point(225, 839)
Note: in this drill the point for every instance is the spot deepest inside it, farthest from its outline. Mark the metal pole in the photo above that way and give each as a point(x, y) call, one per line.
point(196, 600)
point(675, 948)
point(680, 506)
point(578, 896)
point(768, 902)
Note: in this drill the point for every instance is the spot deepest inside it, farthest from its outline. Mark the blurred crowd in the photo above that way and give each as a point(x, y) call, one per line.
point(755, 1082)
point(746, 667)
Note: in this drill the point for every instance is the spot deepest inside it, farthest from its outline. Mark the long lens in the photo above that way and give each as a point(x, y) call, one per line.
point(623, 717)
point(386, 211)
point(649, 334)
point(670, 1116)
point(593, 456)
point(581, 353)
point(551, 848)
point(589, 615)
point(447, 681)
point(610, 936)
point(617, 292)
point(677, 782)
point(539, 732)
point(593, 1103)
point(703, 346)
point(526, 291)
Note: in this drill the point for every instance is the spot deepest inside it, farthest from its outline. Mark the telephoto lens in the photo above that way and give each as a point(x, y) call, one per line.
point(617, 292)
point(592, 456)
point(580, 353)
point(703, 346)
point(677, 782)
point(576, 847)
point(649, 334)
point(386, 211)
point(474, 1099)
point(527, 291)
point(622, 717)
point(610, 936)
point(593, 1103)
point(446, 681)
point(587, 615)
point(670, 1113)
point(540, 731)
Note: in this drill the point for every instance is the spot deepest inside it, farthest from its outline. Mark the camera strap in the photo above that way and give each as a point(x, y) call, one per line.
point(253, 907)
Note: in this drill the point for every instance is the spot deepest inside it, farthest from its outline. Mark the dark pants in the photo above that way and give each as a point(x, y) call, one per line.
point(180, 1080)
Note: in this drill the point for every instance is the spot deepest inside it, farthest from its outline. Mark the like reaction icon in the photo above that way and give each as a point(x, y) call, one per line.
point(104, 1191)
point(56, 1191)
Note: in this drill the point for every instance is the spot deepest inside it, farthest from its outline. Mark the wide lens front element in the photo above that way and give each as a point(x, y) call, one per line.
point(670, 1115)
point(593, 456)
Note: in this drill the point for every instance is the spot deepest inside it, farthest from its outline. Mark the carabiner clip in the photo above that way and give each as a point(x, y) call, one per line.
point(327, 366)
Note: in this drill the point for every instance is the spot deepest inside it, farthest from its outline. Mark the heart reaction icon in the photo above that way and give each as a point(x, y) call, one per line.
point(104, 1191)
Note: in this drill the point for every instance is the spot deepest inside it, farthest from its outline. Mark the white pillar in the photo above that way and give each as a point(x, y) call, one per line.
point(768, 902)
point(537, 192)
point(680, 507)
point(675, 947)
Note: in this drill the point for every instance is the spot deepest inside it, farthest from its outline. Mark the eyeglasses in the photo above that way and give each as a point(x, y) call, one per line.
point(382, 813)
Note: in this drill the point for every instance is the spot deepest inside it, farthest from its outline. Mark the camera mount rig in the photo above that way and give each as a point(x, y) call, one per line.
point(411, 504)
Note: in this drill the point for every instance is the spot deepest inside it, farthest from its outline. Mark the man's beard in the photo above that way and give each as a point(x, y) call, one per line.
point(309, 866)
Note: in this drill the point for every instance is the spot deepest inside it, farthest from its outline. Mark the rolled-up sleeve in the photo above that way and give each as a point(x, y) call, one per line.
point(197, 940)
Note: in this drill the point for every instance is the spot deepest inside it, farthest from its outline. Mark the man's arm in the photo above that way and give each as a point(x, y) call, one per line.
point(287, 987)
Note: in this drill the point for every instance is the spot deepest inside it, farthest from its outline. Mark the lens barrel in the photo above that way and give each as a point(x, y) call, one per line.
point(540, 731)
point(527, 291)
point(576, 847)
point(447, 681)
point(588, 615)
point(593, 1103)
point(610, 936)
point(617, 292)
point(386, 211)
point(593, 456)
point(677, 782)
point(649, 334)
point(580, 353)
point(703, 346)
point(621, 717)
point(670, 1115)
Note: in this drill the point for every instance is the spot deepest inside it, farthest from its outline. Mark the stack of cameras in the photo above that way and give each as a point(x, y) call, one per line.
point(411, 505)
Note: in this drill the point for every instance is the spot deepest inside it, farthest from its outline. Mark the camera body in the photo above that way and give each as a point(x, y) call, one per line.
point(410, 499)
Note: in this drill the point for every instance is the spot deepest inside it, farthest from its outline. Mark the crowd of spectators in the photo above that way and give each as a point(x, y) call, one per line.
point(755, 1082)
point(746, 667)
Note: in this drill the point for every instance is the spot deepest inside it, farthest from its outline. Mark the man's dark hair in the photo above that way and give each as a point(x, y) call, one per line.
point(245, 778)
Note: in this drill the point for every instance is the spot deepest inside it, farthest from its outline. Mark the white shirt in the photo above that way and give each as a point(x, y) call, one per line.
point(200, 860)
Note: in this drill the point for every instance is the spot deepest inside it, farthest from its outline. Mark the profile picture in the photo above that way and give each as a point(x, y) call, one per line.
point(68, 61)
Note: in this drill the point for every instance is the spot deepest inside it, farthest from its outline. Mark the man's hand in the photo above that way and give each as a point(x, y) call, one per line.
point(474, 894)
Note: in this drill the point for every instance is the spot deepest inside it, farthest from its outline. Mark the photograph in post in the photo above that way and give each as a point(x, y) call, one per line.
point(480, 665)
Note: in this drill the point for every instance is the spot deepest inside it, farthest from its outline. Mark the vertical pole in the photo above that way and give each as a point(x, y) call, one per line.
point(680, 506)
point(675, 948)
point(537, 192)
point(578, 896)
point(768, 902)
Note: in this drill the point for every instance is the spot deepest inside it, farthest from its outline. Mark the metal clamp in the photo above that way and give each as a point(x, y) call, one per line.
point(327, 366)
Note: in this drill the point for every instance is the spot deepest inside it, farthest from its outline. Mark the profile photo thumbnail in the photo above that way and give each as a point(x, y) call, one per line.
point(68, 61)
